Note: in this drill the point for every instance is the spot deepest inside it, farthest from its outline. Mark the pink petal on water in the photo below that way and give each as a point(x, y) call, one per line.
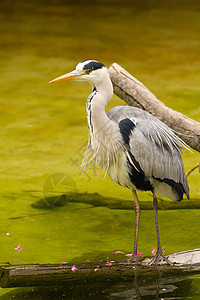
point(74, 268)
point(108, 264)
point(119, 251)
point(139, 254)
point(16, 259)
point(63, 263)
point(18, 248)
point(87, 260)
point(97, 269)
point(129, 254)
point(153, 251)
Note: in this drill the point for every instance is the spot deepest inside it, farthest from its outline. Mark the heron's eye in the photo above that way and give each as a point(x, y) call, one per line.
point(88, 71)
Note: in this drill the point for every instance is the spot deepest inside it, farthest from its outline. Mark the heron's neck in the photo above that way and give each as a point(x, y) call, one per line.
point(96, 103)
point(104, 90)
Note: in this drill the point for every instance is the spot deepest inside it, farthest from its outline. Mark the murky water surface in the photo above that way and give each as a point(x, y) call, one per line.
point(55, 213)
point(154, 286)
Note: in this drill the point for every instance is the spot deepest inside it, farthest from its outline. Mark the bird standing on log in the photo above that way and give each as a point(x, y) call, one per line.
point(137, 150)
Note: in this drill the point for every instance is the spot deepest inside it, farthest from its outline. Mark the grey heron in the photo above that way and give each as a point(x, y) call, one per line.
point(137, 150)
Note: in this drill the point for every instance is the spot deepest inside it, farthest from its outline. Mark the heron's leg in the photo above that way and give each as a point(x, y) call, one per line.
point(137, 218)
point(159, 254)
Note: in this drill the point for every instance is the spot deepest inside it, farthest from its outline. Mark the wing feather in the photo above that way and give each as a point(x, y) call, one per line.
point(154, 145)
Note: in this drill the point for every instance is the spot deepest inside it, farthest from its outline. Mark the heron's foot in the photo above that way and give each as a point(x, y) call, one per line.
point(135, 259)
point(159, 257)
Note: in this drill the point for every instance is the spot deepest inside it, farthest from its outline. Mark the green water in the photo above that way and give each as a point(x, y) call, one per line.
point(153, 286)
point(44, 131)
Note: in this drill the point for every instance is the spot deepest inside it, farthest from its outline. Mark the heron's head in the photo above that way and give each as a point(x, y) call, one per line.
point(87, 70)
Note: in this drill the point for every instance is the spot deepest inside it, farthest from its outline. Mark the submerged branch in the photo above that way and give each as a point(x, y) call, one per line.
point(198, 166)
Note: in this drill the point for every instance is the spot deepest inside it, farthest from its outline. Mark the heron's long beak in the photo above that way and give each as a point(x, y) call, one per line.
point(69, 76)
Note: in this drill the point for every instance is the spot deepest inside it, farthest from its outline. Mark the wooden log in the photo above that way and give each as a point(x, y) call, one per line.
point(136, 94)
point(49, 274)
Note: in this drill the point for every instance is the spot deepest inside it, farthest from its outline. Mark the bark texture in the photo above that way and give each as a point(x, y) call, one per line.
point(136, 94)
point(49, 274)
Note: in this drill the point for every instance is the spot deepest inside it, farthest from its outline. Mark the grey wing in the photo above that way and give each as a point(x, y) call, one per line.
point(155, 148)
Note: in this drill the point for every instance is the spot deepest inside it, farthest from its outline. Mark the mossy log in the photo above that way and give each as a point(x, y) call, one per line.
point(49, 274)
point(136, 94)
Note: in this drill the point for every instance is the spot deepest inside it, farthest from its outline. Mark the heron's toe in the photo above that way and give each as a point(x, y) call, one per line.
point(159, 258)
